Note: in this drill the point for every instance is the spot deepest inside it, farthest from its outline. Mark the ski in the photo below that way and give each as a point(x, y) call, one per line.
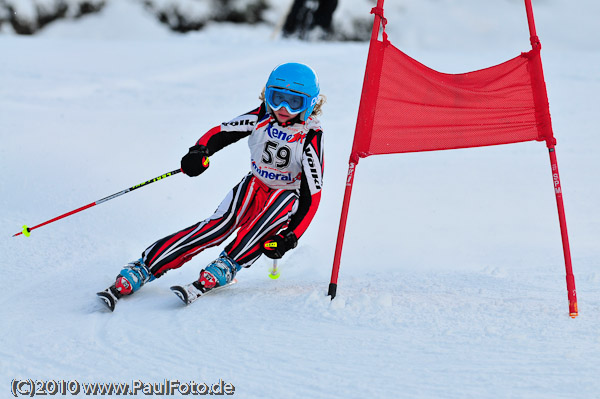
point(189, 293)
point(109, 297)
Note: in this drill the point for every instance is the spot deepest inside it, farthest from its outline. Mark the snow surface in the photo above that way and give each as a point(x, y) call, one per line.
point(452, 280)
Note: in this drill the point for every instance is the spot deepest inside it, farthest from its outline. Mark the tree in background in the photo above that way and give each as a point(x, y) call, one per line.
point(29, 16)
point(192, 15)
point(304, 19)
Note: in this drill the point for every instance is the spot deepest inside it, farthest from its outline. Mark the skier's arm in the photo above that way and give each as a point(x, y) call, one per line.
point(227, 133)
point(196, 160)
point(310, 185)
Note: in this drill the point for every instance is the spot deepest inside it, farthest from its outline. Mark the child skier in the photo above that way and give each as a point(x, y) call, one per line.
point(272, 206)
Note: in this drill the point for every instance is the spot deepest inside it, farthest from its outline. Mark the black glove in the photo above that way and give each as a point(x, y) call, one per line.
point(275, 246)
point(195, 161)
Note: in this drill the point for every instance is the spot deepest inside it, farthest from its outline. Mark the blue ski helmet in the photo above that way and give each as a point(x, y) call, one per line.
point(294, 86)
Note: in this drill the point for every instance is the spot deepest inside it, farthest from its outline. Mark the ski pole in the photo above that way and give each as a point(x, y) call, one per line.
point(274, 273)
point(27, 230)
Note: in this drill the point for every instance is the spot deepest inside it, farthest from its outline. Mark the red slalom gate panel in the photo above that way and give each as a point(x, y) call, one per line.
point(408, 107)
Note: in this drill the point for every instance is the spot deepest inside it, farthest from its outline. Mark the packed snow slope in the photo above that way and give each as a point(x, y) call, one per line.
point(452, 279)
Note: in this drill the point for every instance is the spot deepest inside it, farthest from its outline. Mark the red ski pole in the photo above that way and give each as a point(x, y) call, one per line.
point(27, 230)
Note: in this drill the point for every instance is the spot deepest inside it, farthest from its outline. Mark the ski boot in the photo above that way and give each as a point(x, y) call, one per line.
point(218, 273)
point(132, 277)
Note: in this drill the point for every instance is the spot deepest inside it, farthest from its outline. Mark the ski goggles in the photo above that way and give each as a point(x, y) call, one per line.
point(292, 101)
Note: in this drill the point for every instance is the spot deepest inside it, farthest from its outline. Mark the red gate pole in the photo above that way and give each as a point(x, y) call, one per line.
point(366, 112)
point(531, 23)
point(342, 229)
point(571, 292)
point(542, 100)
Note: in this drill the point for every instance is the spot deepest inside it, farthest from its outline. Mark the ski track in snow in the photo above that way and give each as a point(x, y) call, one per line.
point(452, 279)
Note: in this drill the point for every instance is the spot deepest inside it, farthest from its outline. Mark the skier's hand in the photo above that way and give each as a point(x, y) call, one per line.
point(275, 246)
point(195, 161)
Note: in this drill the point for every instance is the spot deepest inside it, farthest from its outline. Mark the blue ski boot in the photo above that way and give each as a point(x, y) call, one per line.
point(218, 273)
point(132, 277)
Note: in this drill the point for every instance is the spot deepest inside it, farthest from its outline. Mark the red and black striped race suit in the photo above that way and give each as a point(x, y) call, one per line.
point(282, 191)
